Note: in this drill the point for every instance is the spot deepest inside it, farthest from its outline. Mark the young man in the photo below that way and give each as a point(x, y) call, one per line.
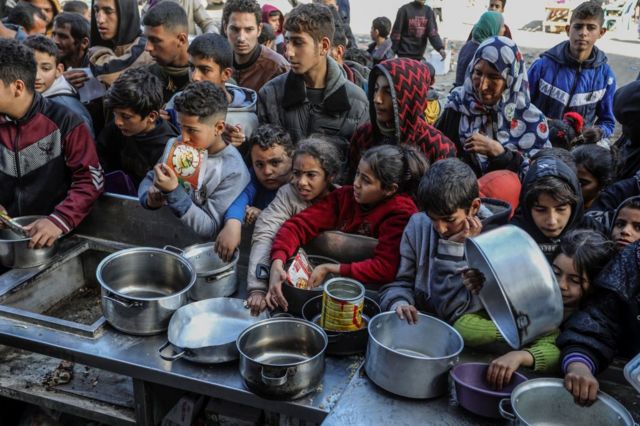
point(71, 35)
point(50, 9)
point(574, 75)
point(28, 17)
point(197, 16)
point(415, 24)
point(65, 178)
point(254, 64)
point(355, 73)
point(381, 48)
point(339, 23)
point(314, 97)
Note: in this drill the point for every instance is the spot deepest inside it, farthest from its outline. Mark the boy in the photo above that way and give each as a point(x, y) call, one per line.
point(29, 17)
point(574, 75)
point(354, 72)
point(49, 79)
point(415, 24)
point(78, 7)
point(432, 247)
point(271, 149)
point(381, 48)
point(201, 108)
point(267, 37)
point(133, 141)
point(625, 229)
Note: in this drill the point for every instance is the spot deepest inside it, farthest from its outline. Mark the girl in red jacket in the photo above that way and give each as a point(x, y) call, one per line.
point(378, 205)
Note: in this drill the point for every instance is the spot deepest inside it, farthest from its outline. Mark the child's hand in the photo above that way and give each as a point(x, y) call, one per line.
point(165, 179)
point(581, 383)
point(408, 312)
point(473, 280)
point(484, 145)
point(228, 239)
point(233, 135)
point(251, 214)
point(155, 199)
point(164, 115)
point(275, 297)
point(501, 369)
point(257, 302)
point(43, 233)
point(320, 273)
point(472, 227)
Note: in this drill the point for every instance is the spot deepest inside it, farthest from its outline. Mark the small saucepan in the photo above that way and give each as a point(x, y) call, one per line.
point(14, 250)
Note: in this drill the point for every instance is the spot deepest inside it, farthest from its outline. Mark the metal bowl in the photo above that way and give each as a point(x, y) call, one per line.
point(14, 250)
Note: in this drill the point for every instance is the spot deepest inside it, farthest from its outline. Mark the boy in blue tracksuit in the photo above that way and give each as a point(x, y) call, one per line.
point(574, 75)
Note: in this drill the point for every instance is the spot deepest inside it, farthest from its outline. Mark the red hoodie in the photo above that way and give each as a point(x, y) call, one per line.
point(340, 211)
point(267, 9)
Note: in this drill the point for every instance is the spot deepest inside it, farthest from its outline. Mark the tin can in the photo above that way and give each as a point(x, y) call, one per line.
point(342, 303)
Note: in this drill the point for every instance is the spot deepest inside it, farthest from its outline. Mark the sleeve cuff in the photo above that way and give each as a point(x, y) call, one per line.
point(450, 248)
point(345, 269)
point(279, 255)
point(57, 221)
point(178, 201)
point(577, 357)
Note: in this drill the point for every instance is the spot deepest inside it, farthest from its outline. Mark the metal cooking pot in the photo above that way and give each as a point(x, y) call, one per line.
point(520, 293)
point(282, 357)
point(297, 297)
point(546, 402)
point(14, 250)
point(206, 331)
point(215, 277)
point(142, 287)
point(411, 360)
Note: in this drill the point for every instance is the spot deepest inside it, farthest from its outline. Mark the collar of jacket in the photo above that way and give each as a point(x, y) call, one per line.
point(252, 59)
point(36, 106)
point(335, 91)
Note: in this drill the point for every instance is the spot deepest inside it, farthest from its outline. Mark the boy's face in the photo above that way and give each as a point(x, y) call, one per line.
point(205, 69)
point(572, 285)
point(46, 8)
point(274, 21)
point(303, 52)
point(200, 134)
point(588, 184)
point(272, 166)
point(583, 34)
point(243, 32)
point(450, 225)
point(308, 177)
point(106, 13)
point(496, 6)
point(626, 227)
point(165, 46)
point(382, 100)
point(374, 34)
point(550, 216)
point(130, 123)
point(48, 70)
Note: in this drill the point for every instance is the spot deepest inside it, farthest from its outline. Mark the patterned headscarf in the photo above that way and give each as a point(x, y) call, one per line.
point(519, 125)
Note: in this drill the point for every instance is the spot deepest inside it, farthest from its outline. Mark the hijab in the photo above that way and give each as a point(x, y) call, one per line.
point(488, 25)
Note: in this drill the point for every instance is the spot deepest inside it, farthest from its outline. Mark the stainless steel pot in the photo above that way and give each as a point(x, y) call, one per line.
point(282, 357)
point(546, 402)
point(14, 250)
point(206, 331)
point(215, 277)
point(142, 287)
point(520, 293)
point(411, 360)
point(297, 297)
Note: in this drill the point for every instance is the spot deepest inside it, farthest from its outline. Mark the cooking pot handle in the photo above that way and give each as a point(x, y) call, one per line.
point(275, 381)
point(170, 357)
point(332, 338)
point(124, 303)
point(173, 249)
point(220, 276)
point(505, 409)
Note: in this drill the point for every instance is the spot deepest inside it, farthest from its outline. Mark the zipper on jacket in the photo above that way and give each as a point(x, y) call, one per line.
point(573, 89)
point(16, 141)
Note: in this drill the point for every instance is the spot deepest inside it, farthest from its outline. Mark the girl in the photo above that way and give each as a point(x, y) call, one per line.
point(596, 170)
point(378, 205)
point(316, 164)
point(581, 256)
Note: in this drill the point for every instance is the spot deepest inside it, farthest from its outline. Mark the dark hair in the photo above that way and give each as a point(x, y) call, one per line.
point(43, 44)
point(23, 14)
point(504, 3)
point(168, 14)
point(75, 6)
point(553, 186)
point(241, 6)
point(202, 99)
point(324, 151)
point(79, 26)
point(557, 153)
point(358, 56)
point(383, 25)
point(137, 89)
point(267, 33)
point(588, 10)
point(17, 63)
point(561, 134)
point(339, 38)
point(449, 185)
point(629, 203)
point(598, 161)
point(589, 250)
point(269, 135)
point(214, 47)
point(402, 165)
point(313, 19)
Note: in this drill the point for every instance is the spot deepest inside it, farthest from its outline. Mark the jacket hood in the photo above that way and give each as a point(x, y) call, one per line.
point(267, 9)
point(493, 213)
point(560, 54)
point(128, 29)
point(243, 99)
point(626, 104)
point(635, 198)
point(60, 87)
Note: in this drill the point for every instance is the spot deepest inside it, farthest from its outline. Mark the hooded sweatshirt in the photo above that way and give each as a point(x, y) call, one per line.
point(558, 84)
point(409, 85)
point(267, 9)
point(63, 93)
point(626, 107)
point(415, 24)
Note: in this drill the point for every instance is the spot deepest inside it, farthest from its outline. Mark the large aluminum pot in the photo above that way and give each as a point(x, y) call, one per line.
point(546, 402)
point(142, 287)
point(297, 297)
point(520, 293)
point(282, 357)
point(14, 250)
point(411, 360)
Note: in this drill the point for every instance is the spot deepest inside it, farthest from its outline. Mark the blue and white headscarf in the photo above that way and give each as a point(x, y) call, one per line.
point(520, 125)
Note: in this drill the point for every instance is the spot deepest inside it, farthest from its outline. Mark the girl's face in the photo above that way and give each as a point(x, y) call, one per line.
point(589, 185)
point(309, 179)
point(367, 188)
point(572, 285)
point(550, 216)
point(487, 82)
point(382, 100)
point(274, 21)
point(626, 228)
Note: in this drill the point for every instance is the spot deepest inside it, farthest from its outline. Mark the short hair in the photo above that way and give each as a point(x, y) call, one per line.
point(598, 161)
point(212, 46)
point(168, 14)
point(23, 14)
point(589, 250)
point(402, 165)
point(313, 19)
point(553, 186)
point(43, 44)
point(359, 56)
point(79, 26)
point(267, 33)
point(588, 10)
point(449, 185)
point(241, 6)
point(17, 62)
point(383, 25)
point(269, 135)
point(202, 99)
point(137, 89)
point(629, 203)
point(75, 6)
point(339, 38)
point(325, 152)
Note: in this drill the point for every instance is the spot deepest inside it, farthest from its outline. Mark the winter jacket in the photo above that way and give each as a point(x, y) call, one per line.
point(382, 52)
point(626, 108)
point(283, 101)
point(558, 84)
point(63, 93)
point(415, 24)
point(357, 74)
point(264, 65)
point(428, 275)
point(172, 80)
point(49, 165)
point(197, 15)
point(409, 85)
point(254, 194)
point(340, 211)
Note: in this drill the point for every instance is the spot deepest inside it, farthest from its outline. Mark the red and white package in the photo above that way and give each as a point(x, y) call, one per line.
point(299, 271)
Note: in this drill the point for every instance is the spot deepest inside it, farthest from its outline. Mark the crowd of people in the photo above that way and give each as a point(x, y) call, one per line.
point(300, 131)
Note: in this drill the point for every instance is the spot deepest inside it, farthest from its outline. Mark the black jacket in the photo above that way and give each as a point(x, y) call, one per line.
point(626, 108)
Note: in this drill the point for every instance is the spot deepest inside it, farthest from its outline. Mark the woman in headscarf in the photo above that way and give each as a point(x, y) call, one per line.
point(490, 117)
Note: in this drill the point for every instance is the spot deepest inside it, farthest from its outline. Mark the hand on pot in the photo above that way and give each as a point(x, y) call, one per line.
point(473, 280)
point(43, 233)
point(501, 369)
point(228, 239)
point(320, 273)
point(581, 383)
point(257, 302)
point(408, 312)
point(277, 276)
point(251, 214)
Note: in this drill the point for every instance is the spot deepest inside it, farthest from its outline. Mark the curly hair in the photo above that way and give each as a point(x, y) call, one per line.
point(269, 135)
point(202, 99)
point(325, 152)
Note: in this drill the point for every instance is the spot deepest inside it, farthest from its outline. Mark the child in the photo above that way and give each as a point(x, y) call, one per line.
point(626, 223)
point(434, 104)
point(267, 37)
point(49, 80)
point(201, 111)
point(574, 75)
point(270, 149)
point(353, 72)
point(432, 247)
point(272, 16)
point(133, 141)
point(378, 205)
point(596, 170)
point(415, 24)
point(316, 165)
point(381, 48)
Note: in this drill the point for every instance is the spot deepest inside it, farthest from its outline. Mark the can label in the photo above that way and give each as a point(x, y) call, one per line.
point(342, 304)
